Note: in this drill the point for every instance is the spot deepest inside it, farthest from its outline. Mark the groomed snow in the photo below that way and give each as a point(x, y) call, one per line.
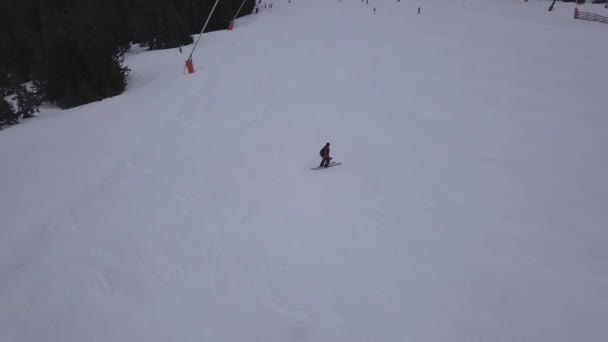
point(471, 204)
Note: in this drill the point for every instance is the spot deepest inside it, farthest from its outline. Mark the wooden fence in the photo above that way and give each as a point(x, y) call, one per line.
point(589, 16)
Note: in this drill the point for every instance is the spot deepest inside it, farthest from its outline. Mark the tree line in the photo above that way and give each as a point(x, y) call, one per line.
point(70, 52)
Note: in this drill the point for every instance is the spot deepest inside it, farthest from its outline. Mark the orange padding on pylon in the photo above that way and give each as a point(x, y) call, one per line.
point(189, 66)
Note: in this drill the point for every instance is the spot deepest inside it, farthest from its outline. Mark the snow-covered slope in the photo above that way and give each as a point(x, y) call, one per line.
point(470, 205)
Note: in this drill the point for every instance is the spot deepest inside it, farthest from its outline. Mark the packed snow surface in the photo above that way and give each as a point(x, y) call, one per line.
point(471, 203)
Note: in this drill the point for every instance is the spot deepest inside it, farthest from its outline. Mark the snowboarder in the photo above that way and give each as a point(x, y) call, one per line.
point(325, 155)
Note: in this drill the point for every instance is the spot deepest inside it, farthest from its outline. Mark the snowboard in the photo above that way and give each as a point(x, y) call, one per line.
point(328, 166)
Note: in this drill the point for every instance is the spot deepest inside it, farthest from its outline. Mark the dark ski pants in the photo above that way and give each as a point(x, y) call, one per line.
point(325, 162)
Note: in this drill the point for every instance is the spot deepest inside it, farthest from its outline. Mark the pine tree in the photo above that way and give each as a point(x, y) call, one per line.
point(7, 114)
point(77, 58)
point(27, 100)
point(158, 25)
point(15, 64)
point(118, 14)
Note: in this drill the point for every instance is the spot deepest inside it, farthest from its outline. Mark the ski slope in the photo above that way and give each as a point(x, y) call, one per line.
point(470, 204)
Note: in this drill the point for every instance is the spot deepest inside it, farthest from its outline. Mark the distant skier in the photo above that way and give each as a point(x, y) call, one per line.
point(325, 155)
